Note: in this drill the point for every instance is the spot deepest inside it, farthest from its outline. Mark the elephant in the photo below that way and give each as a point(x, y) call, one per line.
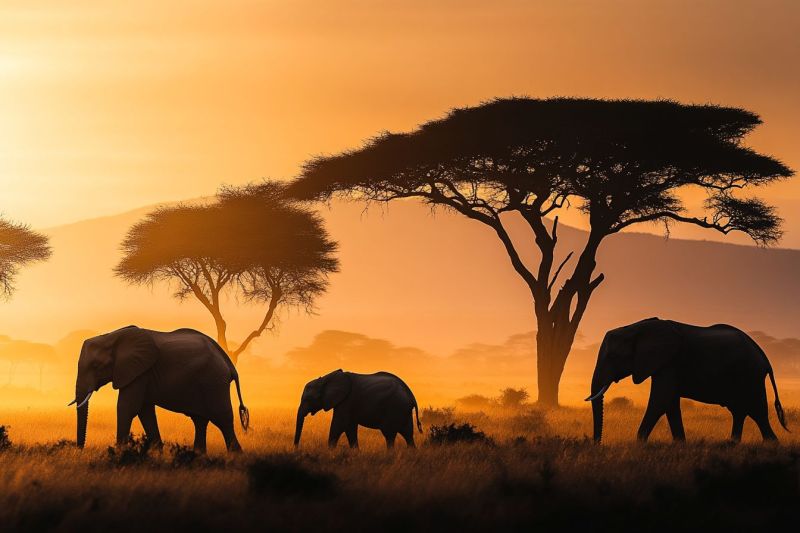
point(183, 371)
point(377, 401)
point(718, 364)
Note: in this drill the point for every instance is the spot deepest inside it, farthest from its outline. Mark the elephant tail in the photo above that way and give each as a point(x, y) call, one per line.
point(778, 406)
point(244, 412)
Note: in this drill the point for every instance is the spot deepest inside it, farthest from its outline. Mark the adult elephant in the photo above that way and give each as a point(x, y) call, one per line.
point(718, 364)
point(378, 401)
point(183, 371)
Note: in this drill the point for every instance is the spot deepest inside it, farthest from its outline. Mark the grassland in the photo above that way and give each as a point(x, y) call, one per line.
point(541, 471)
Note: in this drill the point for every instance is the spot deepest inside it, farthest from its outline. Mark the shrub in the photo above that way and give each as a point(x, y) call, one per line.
point(133, 453)
point(5, 441)
point(475, 402)
point(283, 475)
point(512, 398)
point(433, 415)
point(452, 434)
point(186, 456)
point(621, 403)
point(519, 440)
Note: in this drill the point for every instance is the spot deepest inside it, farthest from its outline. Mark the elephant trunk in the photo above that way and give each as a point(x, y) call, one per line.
point(82, 394)
point(597, 415)
point(599, 389)
point(301, 416)
point(83, 418)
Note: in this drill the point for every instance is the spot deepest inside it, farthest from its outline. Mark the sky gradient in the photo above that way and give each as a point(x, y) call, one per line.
point(110, 107)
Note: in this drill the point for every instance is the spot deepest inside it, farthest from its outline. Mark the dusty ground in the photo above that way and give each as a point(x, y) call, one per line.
point(540, 470)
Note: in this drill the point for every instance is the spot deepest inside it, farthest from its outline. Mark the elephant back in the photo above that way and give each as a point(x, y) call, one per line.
point(190, 358)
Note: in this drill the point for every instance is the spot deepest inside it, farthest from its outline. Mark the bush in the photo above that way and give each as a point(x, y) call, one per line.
point(432, 415)
point(283, 475)
point(621, 403)
point(512, 398)
point(452, 434)
point(133, 453)
point(5, 441)
point(475, 402)
point(186, 456)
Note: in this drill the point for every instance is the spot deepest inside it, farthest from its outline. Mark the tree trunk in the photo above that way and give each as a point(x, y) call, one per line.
point(557, 324)
point(222, 337)
point(553, 344)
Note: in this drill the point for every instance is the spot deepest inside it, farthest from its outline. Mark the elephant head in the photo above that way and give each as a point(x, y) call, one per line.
point(118, 357)
point(639, 350)
point(323, 393)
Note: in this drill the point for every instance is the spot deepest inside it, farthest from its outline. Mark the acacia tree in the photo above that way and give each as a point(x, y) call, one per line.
point(19, 246)
point(621, 163)
point(250, 241)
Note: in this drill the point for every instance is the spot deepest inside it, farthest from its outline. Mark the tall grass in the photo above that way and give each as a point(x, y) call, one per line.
point(542, 471)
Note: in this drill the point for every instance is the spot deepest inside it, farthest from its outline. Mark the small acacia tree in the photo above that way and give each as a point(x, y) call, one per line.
point(19, 246)
point(250, 240)
point(619, 162)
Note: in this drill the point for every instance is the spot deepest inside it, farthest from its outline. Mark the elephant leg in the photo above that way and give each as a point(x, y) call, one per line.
point(662, 396)
point(408, 432)
point(352, 436)
point(225, 425)
point(124, 421)
point(676, 421)
point(200, 430)
point(129, 405)
point(339, 425)
point(334, 434)
point(738, 425)
point(760, 414)
point(147, 416)
point(390, 437)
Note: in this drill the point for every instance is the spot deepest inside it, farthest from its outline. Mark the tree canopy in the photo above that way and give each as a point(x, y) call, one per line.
point(19, 246)
point(250, 239)
point(621, 162)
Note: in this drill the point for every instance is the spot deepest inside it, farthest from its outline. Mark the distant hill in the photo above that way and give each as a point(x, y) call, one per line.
point(437, 282)
point(36, 374)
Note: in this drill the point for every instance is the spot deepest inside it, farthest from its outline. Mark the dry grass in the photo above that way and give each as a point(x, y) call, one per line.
point(541, 471)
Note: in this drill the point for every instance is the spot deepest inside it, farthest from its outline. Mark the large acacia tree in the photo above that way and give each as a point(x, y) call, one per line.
point(19, 246)
point(620, 162)
point(250, 241)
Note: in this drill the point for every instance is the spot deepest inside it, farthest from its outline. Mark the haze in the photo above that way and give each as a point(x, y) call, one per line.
point(108, 108)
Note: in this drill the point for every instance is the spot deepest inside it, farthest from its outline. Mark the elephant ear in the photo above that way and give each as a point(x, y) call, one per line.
point(134, 353)
point(335, 389)
point(657, 343)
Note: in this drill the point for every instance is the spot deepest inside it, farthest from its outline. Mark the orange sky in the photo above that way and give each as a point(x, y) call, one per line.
point(107, 106)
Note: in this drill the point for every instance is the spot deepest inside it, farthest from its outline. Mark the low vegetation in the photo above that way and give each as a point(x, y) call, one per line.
point(542, 471)
point(5, 441)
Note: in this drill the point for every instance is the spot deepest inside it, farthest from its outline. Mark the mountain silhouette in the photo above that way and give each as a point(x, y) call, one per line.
point(430, 280)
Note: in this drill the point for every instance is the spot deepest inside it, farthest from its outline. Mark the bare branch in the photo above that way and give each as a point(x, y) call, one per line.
point(558, 271)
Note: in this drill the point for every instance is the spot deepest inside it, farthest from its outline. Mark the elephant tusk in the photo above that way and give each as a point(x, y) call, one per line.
point(70, 403)
point(85, 400)
point(599, 394)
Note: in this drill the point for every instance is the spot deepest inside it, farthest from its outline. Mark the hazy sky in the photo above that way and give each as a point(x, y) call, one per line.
point(106, 106)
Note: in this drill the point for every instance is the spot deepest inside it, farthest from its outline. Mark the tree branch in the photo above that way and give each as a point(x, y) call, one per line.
point(273, 304)
point(583, 301)
point(702, 222)
point(558, 271)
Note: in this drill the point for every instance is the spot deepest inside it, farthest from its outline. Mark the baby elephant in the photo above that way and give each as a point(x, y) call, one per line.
point(378, 401)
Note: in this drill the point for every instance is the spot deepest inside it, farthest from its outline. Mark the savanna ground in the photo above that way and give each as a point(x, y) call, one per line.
point(540, 470)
